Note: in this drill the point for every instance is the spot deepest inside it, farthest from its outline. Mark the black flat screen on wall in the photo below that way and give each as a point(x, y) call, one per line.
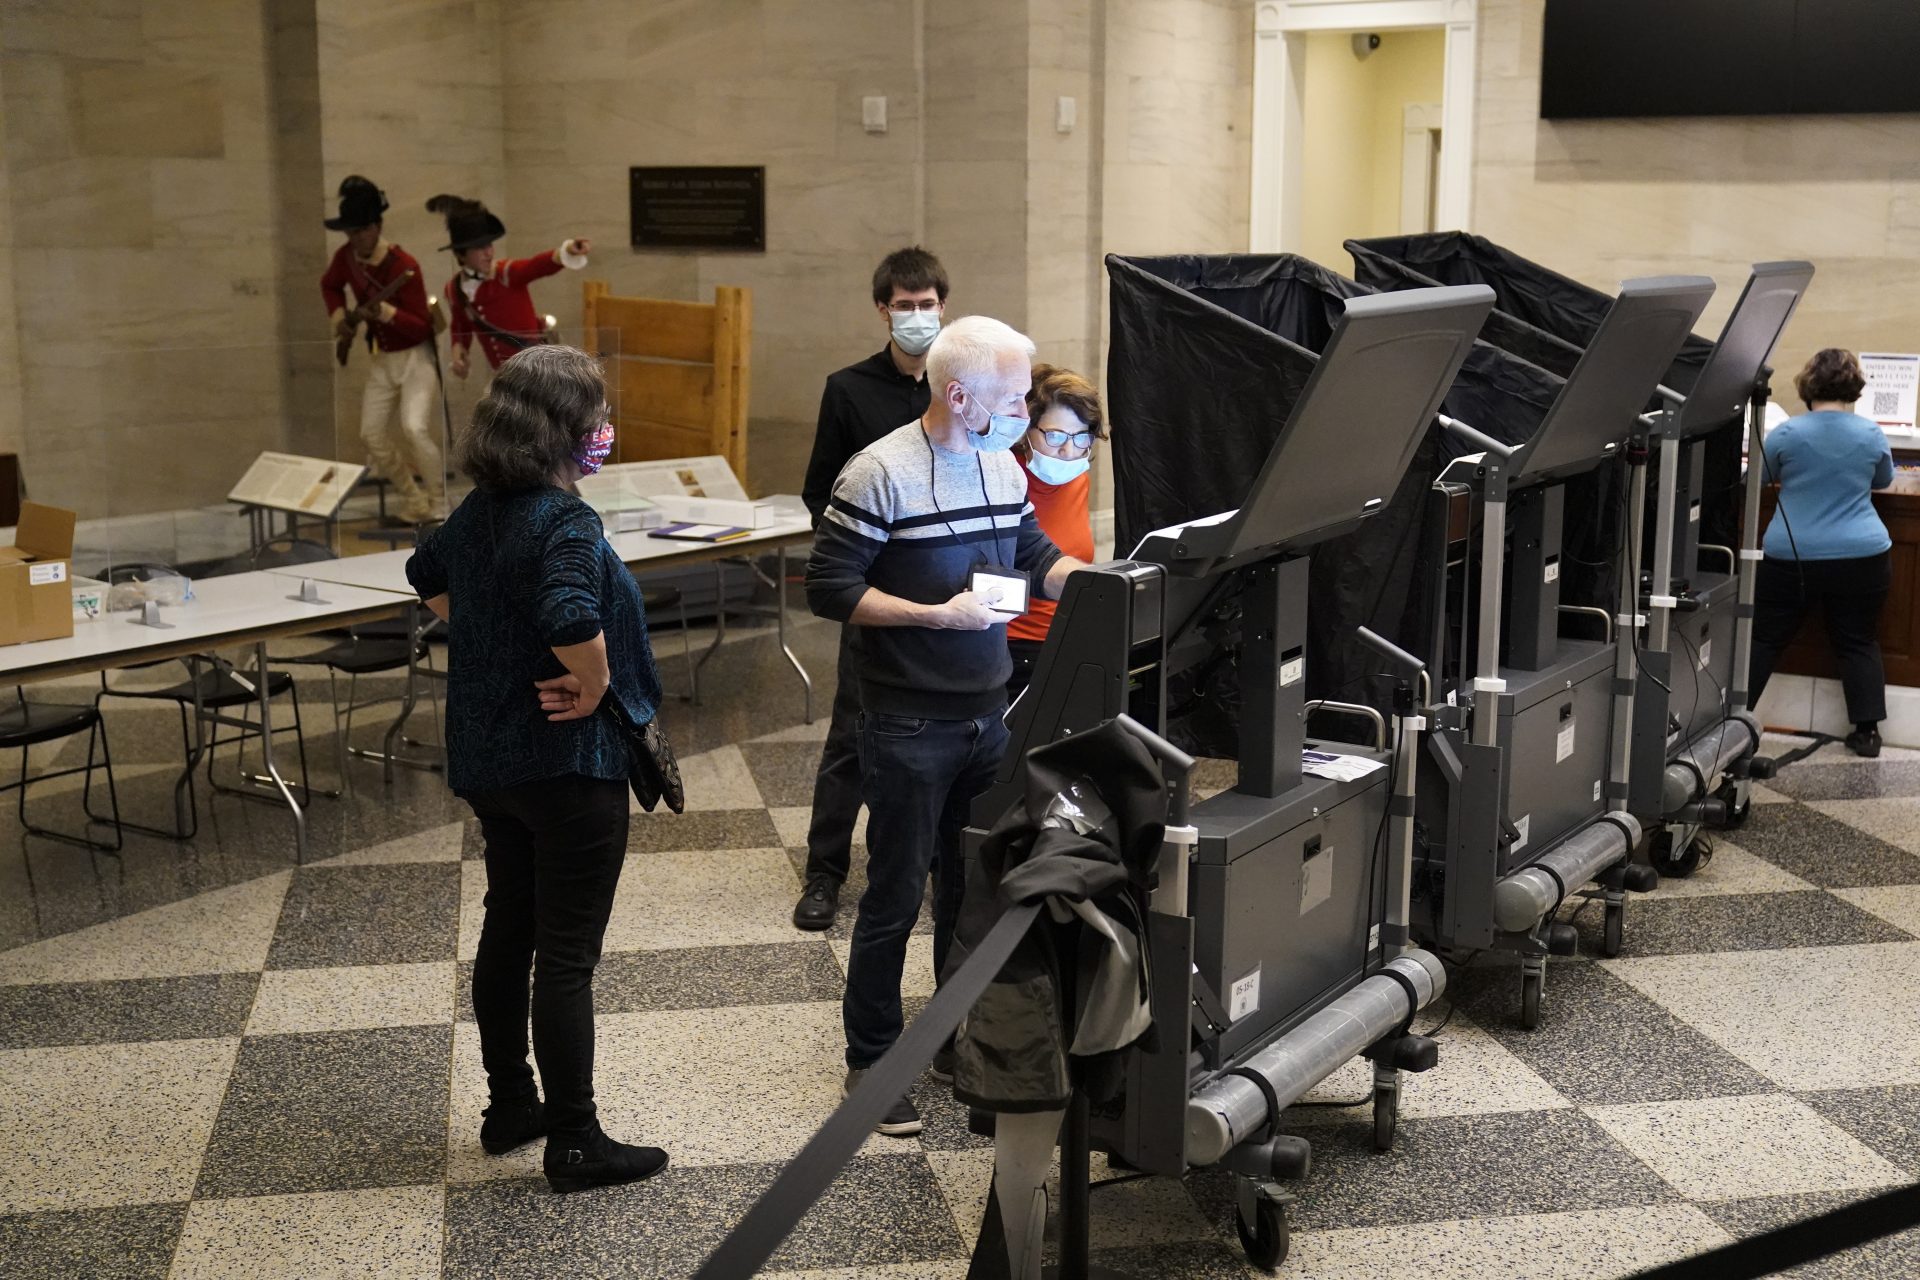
point(1617, 58)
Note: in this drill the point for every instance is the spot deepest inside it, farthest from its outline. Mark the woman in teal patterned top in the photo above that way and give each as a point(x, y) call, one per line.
point(544, 624)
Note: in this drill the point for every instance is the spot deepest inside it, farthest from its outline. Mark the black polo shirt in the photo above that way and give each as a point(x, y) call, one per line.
point(862, 402)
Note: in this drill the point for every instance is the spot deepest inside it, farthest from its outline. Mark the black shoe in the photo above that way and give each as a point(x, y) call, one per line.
point(942, 1068)
point(1864, 742)
point(902, 1119)
point(512, 1124)
point(578, 1163)
point(818, 905)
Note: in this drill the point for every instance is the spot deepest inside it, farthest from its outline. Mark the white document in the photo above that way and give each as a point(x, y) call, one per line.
point(1563, 742)
point(1004, 593)
point(1175, 530)
point(1328, 764)
point(1892, 394)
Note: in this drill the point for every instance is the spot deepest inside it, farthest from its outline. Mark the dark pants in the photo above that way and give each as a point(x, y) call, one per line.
point(1850, 593)
point(836, 789)
point(1025, 653)
point(554, 852)
point(920, 778)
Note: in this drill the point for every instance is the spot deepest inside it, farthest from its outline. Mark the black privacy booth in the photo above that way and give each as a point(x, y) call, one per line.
point(1208, 356)
point(1694, 747)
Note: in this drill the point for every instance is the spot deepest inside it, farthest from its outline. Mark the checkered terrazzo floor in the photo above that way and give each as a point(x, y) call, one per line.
point(216, 1063)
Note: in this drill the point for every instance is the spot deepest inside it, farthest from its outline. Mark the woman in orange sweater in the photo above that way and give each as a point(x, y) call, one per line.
point(1057, 451)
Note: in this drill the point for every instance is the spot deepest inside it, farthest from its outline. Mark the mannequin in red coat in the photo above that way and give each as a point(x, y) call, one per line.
point(488, 297)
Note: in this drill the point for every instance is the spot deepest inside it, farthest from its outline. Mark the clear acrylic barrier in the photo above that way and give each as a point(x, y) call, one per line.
point(177, 434)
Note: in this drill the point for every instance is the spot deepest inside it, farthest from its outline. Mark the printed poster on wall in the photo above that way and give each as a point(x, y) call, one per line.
point(1892, 394)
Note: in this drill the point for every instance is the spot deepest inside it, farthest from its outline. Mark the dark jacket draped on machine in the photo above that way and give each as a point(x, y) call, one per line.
point(1085, 838)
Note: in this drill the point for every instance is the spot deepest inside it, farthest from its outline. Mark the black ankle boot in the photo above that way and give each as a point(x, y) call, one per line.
point(1864, 740)
point(506, 1125)
point(577, 1162)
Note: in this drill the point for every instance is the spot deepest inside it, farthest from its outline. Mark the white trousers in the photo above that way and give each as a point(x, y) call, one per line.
point(403, 381)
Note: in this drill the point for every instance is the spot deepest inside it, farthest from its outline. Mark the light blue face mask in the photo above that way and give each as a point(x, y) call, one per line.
point(915, 331)
point(1002, 430)
point(1056, 471)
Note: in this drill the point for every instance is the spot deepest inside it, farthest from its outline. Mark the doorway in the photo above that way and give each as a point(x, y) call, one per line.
point(1363, 122)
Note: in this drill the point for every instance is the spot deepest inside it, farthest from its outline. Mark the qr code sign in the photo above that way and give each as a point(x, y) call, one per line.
point(1886, 403)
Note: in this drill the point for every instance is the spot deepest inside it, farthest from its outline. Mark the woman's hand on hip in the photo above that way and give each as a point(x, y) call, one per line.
point(566, 698)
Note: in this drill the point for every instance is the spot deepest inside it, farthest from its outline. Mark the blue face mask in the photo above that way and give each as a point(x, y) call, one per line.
point(1001, 432)
point(1056, 471)
point(914, 331)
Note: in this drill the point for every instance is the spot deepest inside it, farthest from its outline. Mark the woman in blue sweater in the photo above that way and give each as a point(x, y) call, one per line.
point(545, 625)
point(1826, 545)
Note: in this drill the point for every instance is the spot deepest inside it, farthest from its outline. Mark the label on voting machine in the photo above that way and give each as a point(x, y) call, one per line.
point(1001, 592)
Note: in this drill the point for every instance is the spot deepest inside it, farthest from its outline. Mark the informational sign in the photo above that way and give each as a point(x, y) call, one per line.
point(290, 482)
point(704, 477)
point(698, 207)
point(1892, 394)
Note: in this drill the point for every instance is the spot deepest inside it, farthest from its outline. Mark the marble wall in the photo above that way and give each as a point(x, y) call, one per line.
point(411, 97)
point(1605, 200)
point(144, 266)
point(591, 87)
point(168, 164)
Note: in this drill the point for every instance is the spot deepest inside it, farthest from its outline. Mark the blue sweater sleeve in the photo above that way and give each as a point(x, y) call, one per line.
point(425, 572)
point(567, 597)
point(1883, 469)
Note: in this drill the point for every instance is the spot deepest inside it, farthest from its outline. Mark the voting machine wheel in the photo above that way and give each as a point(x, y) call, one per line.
point(1662, 858)
point(1386, 1118)
point(1737, 814)
point(1614, 931)
point(1265, 1242)
point(1530, 988)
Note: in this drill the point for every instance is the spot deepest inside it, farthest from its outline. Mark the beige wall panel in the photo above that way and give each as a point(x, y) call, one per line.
point(1601, 200)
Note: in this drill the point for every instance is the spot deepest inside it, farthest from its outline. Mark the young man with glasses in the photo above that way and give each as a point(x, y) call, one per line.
point(862, 402)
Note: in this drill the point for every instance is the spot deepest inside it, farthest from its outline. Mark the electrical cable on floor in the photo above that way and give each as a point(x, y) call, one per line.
point(1798, 754)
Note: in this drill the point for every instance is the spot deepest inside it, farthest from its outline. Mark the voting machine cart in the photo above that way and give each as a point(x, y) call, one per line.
point(1523, 797)
point(1695, 738)
point(1277, 935)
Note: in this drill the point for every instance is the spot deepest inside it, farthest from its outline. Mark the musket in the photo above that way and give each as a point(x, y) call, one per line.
point(344, 343)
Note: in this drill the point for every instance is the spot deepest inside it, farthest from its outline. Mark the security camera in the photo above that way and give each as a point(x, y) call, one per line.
point(1364, 43)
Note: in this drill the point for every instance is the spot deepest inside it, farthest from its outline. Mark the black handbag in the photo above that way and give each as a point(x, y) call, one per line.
point(653, 771)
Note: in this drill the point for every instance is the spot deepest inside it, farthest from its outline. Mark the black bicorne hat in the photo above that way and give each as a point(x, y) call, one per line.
point(470, 224)
point(361, 204)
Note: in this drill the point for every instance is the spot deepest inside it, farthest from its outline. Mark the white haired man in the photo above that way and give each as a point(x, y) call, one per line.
point(912, 516)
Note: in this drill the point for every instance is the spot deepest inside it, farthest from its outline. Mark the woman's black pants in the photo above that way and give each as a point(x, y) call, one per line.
point(1850, 593)
point(554, 852)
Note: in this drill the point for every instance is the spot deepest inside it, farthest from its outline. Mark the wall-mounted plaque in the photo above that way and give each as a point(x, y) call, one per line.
point(703, 207)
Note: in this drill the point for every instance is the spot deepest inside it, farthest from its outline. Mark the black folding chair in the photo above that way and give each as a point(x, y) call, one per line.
point(28, 724)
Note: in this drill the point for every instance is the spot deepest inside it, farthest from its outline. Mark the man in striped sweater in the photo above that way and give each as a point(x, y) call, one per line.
point(912, 516)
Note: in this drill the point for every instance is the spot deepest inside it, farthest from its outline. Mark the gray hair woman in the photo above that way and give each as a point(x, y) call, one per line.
point(545, 624)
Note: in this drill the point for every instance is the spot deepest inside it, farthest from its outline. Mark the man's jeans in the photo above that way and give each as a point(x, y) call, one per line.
point(836, 790)
point(920, 778)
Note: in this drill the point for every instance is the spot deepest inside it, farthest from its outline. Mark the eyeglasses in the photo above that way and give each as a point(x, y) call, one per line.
point(908, 308)
point(1054, 439)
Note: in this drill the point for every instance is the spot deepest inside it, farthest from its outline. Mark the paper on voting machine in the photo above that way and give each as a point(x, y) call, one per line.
point(290, 482)
point(1173, 531)
point(1328, 764)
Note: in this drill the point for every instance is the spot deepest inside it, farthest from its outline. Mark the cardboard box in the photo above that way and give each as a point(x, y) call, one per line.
point(36, 598)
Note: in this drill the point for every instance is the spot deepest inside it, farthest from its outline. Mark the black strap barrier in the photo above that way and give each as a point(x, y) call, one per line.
point(749, 1245)
point(1776, 1251)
